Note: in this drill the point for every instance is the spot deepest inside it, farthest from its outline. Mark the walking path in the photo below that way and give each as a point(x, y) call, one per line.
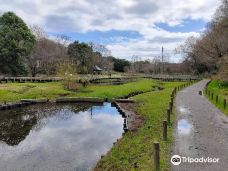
point(201, 131)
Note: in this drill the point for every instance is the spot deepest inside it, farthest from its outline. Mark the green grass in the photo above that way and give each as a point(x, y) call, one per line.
point(136, 148)
point(15, 91)
point(221, 89)
point(107, 80)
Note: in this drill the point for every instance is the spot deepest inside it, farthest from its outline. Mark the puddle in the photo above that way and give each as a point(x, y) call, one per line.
point(183, 110)
point(57, 137)
point(184, 127)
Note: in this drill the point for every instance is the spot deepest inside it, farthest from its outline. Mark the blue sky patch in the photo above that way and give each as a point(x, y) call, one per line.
point(188, 25)
point(106, 37)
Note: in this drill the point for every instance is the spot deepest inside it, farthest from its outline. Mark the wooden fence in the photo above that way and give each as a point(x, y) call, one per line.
point(28, 79)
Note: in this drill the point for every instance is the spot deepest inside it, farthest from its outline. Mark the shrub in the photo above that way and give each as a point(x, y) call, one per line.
point(67, 72)
point(84, 81)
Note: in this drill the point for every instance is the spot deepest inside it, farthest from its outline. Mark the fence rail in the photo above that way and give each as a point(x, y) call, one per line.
point(173, 77)
point(28, 79)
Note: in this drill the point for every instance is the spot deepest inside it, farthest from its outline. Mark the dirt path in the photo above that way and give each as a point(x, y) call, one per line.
point(201, 131)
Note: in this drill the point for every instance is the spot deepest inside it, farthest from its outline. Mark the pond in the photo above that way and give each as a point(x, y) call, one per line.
point(57, 137)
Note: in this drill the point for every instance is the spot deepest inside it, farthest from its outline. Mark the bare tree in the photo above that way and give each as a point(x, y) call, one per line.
point(205, 53)
point(156, 65)
point(34, 59)
point(105, 52)
point(46, 53)
point(221, 13)
point(108, 63)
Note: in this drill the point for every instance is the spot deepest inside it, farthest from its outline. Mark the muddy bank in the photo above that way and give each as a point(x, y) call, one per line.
point(134, 120)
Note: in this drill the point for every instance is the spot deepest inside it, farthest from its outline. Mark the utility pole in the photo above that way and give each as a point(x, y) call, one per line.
point(162, 60)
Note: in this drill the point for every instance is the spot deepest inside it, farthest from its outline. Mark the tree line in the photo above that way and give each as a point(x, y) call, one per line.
point(207, 53)
point(29, 51)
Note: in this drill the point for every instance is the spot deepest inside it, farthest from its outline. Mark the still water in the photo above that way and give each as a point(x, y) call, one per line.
point(57, 137)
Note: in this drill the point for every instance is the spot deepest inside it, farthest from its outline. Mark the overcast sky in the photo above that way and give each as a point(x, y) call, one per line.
point(126, 27)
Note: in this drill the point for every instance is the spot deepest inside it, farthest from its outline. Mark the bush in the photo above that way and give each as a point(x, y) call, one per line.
point(84, 81)
point(70, 83)
point(67, 71)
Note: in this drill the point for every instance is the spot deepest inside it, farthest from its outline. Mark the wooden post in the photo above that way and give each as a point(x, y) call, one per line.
point(172, 95)
point(156, 156)
point(164, 124)
point(224, 103)
point(216, 99)
point(172, 100)
point(168, 115)
point(170, 107)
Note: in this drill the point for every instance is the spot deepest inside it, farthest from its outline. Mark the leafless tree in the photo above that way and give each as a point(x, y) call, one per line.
point(34, 58)
point(204, 53)
point(105, 52)
point(46, 53)
point(107, 63)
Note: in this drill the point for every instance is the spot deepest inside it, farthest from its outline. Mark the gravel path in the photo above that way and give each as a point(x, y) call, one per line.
point(201, 131)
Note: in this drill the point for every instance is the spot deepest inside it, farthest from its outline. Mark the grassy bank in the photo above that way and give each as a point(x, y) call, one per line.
point(134, 150)
point(221, 89)
point(15, 91)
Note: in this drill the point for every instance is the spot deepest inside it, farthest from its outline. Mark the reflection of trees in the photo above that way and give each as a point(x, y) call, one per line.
point(80, 107)
point(59, 112)
point(15, 125)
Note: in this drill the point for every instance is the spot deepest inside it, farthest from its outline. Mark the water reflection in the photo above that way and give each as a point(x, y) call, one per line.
point(183, 110)
point(57, 137)
point(14, 128)
point(184, 127)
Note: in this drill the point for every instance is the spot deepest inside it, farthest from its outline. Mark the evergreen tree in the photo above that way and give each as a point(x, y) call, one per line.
point(16, 42)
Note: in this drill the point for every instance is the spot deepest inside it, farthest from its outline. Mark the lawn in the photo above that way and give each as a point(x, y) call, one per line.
point(134, 151)
point(221, 89)
point(15, 91)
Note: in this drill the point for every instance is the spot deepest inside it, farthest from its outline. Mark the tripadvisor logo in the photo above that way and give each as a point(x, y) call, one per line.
point(176, 160)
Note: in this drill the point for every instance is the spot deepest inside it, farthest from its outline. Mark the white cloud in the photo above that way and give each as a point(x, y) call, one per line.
point(103, 15)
